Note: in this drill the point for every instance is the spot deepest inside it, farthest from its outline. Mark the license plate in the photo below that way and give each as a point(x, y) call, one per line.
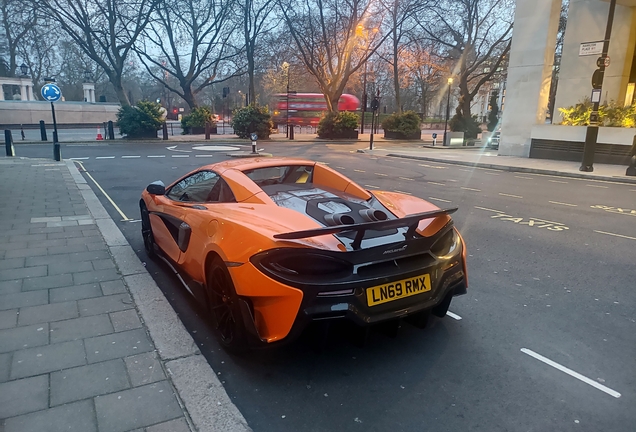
point(400, 289)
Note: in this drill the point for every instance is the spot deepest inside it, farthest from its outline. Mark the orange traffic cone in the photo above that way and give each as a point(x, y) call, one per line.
point(99, 135)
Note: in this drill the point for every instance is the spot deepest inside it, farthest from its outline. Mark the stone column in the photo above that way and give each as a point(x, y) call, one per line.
point(89, 92)
point(23, 92)
point(1, 92)
point(587, 20)
point(30, 93)
point(529, 73)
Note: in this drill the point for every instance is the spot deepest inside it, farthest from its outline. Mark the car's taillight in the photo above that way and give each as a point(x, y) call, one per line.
point(299, 263)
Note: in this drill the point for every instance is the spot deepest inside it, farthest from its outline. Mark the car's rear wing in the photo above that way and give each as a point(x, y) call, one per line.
point(410, 221)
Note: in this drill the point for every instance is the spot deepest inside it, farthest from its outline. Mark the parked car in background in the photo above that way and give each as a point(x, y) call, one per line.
point(493, 140)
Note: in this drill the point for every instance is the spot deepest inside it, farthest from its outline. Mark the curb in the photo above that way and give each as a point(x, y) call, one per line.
point(627, 180)
point(207, 406)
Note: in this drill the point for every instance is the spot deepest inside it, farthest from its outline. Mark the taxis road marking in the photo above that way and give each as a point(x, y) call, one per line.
point(509, 195)
point(471, 189)
point(615, 235)
point(453, 316)
point(438, 199)
point(570, 372)
point(616, 210)
point(565, 204)
point(125, 218)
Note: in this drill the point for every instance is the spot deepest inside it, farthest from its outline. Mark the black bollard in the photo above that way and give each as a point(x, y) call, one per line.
point(111, 130)
point(22, 132)
point(42, 131)
point(207, 130)
point(164, 129)
point(291, 132)
point(8, 142)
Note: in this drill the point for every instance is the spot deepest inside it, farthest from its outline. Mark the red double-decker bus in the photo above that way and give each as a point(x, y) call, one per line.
point(306, 109)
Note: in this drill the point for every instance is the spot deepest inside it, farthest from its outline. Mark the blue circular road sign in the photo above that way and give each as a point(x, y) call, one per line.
point(51, 92)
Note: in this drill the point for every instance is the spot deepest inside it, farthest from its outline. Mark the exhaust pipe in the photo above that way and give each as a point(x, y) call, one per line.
point(334, 219)
point(372, 215)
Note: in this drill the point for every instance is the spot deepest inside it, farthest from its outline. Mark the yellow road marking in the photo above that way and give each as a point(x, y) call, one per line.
point(565, 204)
point(508, 195)
point(104, 192)
point(615, 235)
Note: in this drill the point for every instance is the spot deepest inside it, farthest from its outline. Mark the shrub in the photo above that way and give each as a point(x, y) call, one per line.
point(141, 121)
point(612, 114)
point(470, 126)
point(336, 123)
point(407, 123)
point(198, 117)
point(252, 119)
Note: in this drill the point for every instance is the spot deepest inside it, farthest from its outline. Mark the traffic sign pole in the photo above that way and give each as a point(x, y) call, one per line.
point(57, 151)
point(52, 93)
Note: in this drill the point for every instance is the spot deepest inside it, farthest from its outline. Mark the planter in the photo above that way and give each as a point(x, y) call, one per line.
point(454, 139)
point(148, 133)
point(399, 135)
point(347, 134)
point(199, 130)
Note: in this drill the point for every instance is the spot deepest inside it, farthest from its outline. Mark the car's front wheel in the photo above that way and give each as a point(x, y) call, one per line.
point(146, 231)
point(224, 308)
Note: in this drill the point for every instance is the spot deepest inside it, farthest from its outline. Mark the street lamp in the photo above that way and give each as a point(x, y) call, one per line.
point(285, 66)
point(360, 32)
point(450, 82)
point(87, 76)
point(24, 69)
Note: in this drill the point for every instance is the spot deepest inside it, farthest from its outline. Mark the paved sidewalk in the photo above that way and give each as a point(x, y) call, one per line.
point(87, 340)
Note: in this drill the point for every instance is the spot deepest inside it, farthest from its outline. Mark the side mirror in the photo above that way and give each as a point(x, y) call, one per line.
point(156, 188)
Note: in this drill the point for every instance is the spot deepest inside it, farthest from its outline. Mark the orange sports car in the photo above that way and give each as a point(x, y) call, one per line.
point(269, 245)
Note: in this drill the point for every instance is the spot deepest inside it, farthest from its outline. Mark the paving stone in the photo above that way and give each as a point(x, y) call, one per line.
point(116, 345)
point(22, 273)
point(45, 230)
point(103, 264)
point(105, 304)
point(144, 369)
point(60, 224)
point(84, 240)
point(22, 299)
point(11, 246)
point(12, 263)
point(138, 407)
point(48, 243)
point(5, 365)
point(96, 246)
point(176, 425)
point(24, 396)
point(88, 381)
point(80, 328)
point(35, 361)
point(69, 267)
point(86, 222)
point(10, 287)
point(46, 282)
point(48, 313)
point(45, 219)
point(125, 320)
point(75, 292)
point(27, 237)
point(31, 252)
point(18, 338)
point(73, 417)
point(113, 287)
point(78, 217)
point(54, 250)
point(8, 318)
point(95, 276)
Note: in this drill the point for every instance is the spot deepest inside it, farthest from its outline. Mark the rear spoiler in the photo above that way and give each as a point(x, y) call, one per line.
point(411, 221)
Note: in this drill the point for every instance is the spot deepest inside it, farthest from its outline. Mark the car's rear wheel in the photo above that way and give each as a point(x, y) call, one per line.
point(224, 308)
point(146, 232)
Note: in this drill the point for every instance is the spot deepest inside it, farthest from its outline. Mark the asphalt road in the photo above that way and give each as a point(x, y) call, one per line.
point(546, 339)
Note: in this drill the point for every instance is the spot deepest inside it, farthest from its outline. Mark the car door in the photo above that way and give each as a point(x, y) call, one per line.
point(171, 231)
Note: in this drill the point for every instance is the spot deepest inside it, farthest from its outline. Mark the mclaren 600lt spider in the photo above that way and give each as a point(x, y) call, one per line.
point(269, 245)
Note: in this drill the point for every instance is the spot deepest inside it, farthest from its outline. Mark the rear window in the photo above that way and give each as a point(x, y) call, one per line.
point(284, 174)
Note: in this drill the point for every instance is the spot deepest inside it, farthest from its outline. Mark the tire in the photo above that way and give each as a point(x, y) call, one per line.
point(224, 308)
point(146, 232)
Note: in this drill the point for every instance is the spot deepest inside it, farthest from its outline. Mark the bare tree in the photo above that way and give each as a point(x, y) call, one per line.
point(329, 36)
point(105, 30)
point(477, 35)
point(190, 41)
point(18, 19)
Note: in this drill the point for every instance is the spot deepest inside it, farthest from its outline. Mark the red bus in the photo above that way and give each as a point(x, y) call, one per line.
point(306, 109)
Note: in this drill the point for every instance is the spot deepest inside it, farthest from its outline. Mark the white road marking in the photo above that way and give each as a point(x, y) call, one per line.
point(487, 209)
point(512, 196)
point(546, 221)
point(438, 184)
point(491, 173)
point(130, 157)
point(525, 178)
point(205, 155)
point(438, 199)
point(453, 316)
point(82, 158)
point(157, 156)
point(557, 181)
point(339, 167)
point(615, 235)
point(570, 372)
point(565, 204)
point(105, 157)
point(597, 186)
point(180, 156)
point(467, 170)
point(451, 180)
point(357, 170)
point(406, 193)
point(373, 187)
point(471, 189)
point(406, 178)
point(324, 163)
point(135, 220)
point(174, 148)
point(380, 174)
point(125, 218)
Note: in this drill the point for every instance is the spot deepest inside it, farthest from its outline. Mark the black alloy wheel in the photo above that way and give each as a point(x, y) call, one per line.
point(224, 308)
point(146, 232)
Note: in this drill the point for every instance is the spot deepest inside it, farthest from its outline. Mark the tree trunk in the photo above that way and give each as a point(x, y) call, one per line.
point(119, 90)
point(396, 76)
point(250, 72)
point(188, 96)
